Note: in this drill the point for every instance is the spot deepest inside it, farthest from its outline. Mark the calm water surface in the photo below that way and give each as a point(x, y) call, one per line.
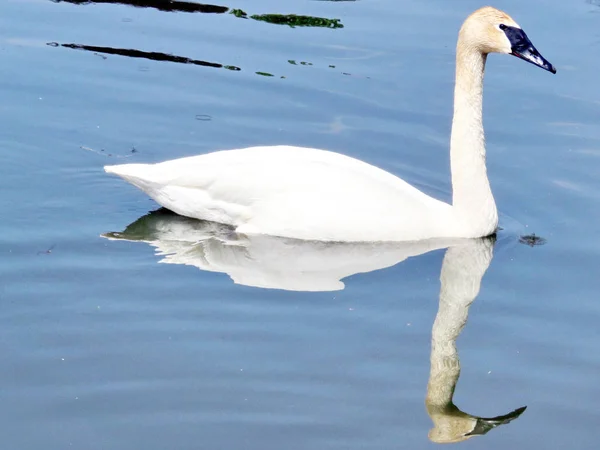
point(105, 348)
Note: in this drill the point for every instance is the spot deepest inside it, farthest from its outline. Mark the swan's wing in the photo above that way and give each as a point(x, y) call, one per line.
point(289, 191)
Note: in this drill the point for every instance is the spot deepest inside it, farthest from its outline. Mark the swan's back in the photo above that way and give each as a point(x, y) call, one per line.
point(290, 191)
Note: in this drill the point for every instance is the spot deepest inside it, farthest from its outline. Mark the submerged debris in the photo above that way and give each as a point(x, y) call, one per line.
point(104, 153)
point(292, 20)
point(532, 240)
point(48, 251)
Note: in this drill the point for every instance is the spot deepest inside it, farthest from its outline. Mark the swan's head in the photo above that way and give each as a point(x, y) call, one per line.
point(490, 30)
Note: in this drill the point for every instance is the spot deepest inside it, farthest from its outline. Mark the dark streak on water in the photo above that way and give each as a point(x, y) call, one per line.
point(155, 56)
point(161, 5)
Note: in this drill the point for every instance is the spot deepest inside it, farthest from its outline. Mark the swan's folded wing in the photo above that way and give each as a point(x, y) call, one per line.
point(287, 191)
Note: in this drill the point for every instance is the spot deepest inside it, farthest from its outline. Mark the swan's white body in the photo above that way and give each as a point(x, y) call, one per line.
point(292, 192)
point(320, 195)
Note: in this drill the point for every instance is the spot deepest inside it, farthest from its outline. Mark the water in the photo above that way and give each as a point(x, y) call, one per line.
point(104, 348)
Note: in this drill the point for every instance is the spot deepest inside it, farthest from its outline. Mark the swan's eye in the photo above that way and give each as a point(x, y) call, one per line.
point(502, 27)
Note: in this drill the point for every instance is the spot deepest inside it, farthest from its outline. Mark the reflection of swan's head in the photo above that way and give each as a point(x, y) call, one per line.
point(452, 425)
point(489, 30)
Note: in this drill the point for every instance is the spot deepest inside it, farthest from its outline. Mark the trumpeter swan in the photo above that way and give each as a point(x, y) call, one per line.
point(320, 195)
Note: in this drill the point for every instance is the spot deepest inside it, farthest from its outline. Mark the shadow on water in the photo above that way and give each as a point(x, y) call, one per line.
point(292, 20)
point(154, 56)
point(282, 263)
point(167, 57)
point(132, 53)
point(161, 5)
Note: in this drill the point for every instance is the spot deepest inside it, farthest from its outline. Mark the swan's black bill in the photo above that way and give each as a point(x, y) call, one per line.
point(522, 48)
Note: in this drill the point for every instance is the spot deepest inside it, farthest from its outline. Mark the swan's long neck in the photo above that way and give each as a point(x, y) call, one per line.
point(472, 200)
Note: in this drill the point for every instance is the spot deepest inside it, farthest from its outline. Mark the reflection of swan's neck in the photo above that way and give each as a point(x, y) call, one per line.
point(472, 199)
point(462, 271)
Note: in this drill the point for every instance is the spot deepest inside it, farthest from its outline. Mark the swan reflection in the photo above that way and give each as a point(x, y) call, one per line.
point(281, 263)
point(462, 270)
point(265, 261)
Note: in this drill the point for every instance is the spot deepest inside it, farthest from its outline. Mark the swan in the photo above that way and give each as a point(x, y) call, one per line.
point(313, 194)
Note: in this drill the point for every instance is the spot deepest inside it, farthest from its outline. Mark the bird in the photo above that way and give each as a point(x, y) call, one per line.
point(320, 195)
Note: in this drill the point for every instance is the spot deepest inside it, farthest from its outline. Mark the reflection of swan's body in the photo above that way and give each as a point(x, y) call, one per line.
point(282, 263)
point(462, 270)
point(320, 195)
point(266, 261)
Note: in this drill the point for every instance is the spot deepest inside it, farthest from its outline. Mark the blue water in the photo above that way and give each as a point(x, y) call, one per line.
point(106, 348)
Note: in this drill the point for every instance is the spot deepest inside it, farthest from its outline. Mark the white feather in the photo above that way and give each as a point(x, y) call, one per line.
point(292, 192)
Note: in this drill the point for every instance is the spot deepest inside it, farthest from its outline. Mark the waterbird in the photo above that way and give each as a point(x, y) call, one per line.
point(314, 194)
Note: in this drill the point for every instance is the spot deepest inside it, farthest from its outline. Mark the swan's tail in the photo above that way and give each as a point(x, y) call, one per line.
point(129, 170)
point(140, 175)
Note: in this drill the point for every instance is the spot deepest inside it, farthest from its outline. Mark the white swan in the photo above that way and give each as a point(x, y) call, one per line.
point(319, 195)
